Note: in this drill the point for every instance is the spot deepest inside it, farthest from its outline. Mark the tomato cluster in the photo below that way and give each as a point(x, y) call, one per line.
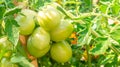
point(50, 35)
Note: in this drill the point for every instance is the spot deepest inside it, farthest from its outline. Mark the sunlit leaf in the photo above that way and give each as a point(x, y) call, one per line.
point(12, 11)
point(9, 3)
point(2, 10)
point(103, 8)
point(11, 29)
point(116, 9)
point(115, 32)
point(100, 47)
point(22, 61)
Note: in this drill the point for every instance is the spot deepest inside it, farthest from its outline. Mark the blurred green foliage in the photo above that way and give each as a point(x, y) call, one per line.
point(98, 39)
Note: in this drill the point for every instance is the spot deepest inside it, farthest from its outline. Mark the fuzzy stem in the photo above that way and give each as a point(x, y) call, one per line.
point(89, 56)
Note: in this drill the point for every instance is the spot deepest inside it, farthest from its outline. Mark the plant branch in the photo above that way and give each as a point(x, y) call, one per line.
point(89, 56)
point(95, 33)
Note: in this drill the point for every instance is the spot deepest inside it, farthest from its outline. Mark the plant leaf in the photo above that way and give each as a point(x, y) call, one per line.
point(115, 32)
point(22, 61)
point(2, 10)
point(12, 11)
point(11, 29)
point(100, 47)
point(103, 8)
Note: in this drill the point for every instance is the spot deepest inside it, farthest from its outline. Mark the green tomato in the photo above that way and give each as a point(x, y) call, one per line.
point(49, 18)
point(4, 43)
point(6, 63)
point(62, 32)
point(5, 47)
point(26, 21)
point(61, 52)
point(38, 43)
point(8, 53)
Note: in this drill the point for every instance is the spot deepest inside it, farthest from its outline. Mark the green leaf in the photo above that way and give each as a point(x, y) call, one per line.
point(115, 32)
point(108, 59)
point(9, 3)
point(103, 8)
point(83, 36)
point(11, 29)
point(89, 3)
point(2, 10)
point(12, 11)
point(116, 9)
point(21, 61)
point(1, 1)
point(36, 4)
point(100, 47)
point(21, 50)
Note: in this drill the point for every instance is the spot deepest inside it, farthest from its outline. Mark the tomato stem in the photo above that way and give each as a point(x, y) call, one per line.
point(89, 56)
point(115, 50)
point(95, 33)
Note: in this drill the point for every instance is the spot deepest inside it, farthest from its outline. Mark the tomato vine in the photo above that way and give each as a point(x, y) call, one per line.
point(95, 40)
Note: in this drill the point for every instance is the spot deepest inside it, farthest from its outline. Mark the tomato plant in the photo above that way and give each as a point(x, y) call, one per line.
point(59, 33)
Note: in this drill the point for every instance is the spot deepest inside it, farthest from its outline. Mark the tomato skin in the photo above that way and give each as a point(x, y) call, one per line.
point(62, 32)
point(4, 43)
point(49, 18)
point(5, 47)
point(61, 51)
point(38, 43)
point(26, 21)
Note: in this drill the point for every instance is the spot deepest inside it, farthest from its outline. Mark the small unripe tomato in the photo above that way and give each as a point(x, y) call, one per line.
point(62, 32)
point(26, 21)
point(5, 47)
point(49, 18)
point(38, 43)
point(61, 52)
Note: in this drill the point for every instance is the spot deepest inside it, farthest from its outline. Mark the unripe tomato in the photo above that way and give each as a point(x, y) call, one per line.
point(6, 63)
point(38, 43)
point(26, 21)
point(62, 32)
point(49, 18)
point(5, 47)
point(61, 51)
point(8, 53)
